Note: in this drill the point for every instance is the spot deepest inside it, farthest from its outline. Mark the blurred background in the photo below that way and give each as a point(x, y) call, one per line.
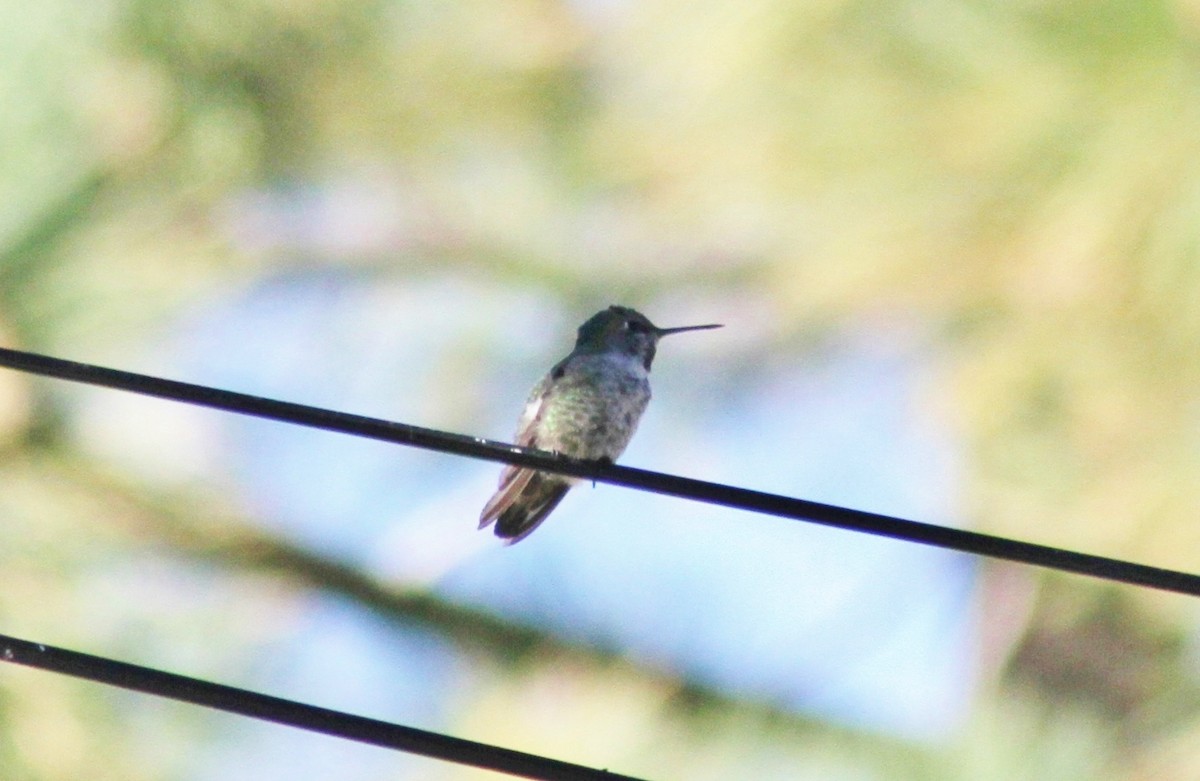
point(955, 246)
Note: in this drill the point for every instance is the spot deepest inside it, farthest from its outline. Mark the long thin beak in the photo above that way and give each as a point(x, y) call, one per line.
point(664, 331)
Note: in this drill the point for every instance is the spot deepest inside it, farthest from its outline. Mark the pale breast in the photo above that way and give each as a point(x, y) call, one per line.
point(594, 407)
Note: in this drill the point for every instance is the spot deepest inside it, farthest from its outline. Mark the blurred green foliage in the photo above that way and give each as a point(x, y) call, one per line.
point(1020, 179)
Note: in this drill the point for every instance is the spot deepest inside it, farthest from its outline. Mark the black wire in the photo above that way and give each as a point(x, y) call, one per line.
point(671, 485)
point(296, 714)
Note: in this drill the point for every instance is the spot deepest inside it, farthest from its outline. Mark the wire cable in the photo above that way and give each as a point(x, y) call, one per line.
point(296, 714)
point(672, 485)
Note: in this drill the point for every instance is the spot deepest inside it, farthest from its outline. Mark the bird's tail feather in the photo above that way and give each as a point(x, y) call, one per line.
point(536, 500)
point(512, 484)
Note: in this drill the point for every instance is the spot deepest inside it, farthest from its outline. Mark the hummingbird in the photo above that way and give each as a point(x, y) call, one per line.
point(587, 407)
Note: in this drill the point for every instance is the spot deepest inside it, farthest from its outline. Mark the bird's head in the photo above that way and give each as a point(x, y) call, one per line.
point(626, 331)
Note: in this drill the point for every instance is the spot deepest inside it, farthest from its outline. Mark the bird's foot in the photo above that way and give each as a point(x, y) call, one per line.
point(602, 461)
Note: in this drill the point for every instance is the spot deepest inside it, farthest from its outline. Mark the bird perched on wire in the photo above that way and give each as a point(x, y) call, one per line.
point(587, 407)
